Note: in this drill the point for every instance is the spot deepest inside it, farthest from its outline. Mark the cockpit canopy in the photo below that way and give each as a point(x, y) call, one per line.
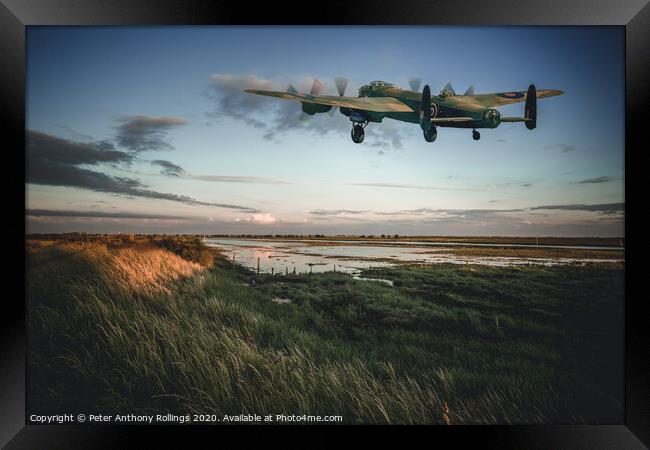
point(364, 91)
point(446, 93)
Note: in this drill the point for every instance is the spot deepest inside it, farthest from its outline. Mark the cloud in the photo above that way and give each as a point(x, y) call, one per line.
point(168, 168)
point(238, 179)
point(171, 169)
point(264, 219)
point(603, 179)
point(230, 101)
point(53, 161)
point(44, 147)
point(336, 212)
point(97, 214)
point(440, 213)
point(142, 133)
point(411, 186)
point(277, 117)
point(563, 148)
point(605, 208)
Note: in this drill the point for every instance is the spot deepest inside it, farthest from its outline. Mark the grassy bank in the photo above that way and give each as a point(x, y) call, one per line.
point(137, 328)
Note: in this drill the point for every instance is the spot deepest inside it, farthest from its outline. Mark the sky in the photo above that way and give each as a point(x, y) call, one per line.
point(148, 130)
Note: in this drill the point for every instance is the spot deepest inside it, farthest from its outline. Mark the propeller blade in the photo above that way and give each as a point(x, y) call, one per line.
point(425, 108)
point(448, 86)
point(414, 83)
point(470, 90)
point(316, 87)
point(341, 85)
point(291, 89)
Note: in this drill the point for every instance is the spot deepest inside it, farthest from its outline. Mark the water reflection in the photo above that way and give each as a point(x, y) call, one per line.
point(304, 257)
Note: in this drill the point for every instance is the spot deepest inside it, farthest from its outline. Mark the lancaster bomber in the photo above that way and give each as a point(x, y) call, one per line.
point(380, 99)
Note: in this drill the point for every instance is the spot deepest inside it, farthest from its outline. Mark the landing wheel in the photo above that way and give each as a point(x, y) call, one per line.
point(476, 135)
point(357, 134)
point(430, 134)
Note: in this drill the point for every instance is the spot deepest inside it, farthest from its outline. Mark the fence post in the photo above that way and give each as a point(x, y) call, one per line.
point(258, 265)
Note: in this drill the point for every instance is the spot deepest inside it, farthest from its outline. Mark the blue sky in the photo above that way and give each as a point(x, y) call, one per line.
point(151, 132)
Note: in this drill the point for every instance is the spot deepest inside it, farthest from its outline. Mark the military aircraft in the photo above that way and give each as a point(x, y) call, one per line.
point(380, 99)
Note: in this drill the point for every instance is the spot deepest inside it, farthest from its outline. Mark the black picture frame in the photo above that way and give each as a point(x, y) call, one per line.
point(15, 15)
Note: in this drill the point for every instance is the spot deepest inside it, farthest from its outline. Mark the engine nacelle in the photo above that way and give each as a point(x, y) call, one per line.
point(313, 108)
point(491, 118)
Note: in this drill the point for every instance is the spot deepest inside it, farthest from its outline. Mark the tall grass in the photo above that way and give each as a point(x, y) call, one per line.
point(144, 330)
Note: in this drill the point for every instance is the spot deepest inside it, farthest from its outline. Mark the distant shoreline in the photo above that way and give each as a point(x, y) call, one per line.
point(541, 241)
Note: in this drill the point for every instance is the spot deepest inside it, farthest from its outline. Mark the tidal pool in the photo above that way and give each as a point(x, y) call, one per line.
point(294, 256)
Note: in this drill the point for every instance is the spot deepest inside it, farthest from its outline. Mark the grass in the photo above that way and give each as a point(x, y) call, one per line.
point(138, 329)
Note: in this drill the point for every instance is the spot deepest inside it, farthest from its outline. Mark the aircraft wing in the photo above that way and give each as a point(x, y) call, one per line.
point(505, 98)
point(374, 104)
point(451, 119)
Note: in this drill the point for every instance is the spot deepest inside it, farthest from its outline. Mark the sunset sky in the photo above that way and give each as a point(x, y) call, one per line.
point(148, 130)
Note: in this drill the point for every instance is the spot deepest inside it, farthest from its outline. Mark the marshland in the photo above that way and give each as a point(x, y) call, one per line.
point(168, 324)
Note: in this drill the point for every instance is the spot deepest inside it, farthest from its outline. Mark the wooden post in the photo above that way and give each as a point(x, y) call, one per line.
point(294, 270)
point(271, 270)
point(334, 267)
point(233, 260)
point(286, 270)
point(258, 265)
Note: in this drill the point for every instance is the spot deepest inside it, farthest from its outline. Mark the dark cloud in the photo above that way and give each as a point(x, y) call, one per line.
point(142, 133)
point(52, 149)
point(603, 179)
point(605, 208)
point(277, 117)
point(168, 168)
point(53, 161)
point(97, 214)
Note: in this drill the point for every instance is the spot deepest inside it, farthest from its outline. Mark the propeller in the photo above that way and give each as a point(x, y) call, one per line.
point(530, 110)
point(425, 108)
point(414, 83)
point(470, 90)
point(341, 85)
point(448, 86)
point(316, 87)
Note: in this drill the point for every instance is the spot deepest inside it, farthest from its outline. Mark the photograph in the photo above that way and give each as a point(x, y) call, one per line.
point(325, 225)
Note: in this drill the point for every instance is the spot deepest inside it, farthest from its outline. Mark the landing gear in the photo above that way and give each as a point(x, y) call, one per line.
point(430, 134)
point(357, 133)
point(476, 135)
